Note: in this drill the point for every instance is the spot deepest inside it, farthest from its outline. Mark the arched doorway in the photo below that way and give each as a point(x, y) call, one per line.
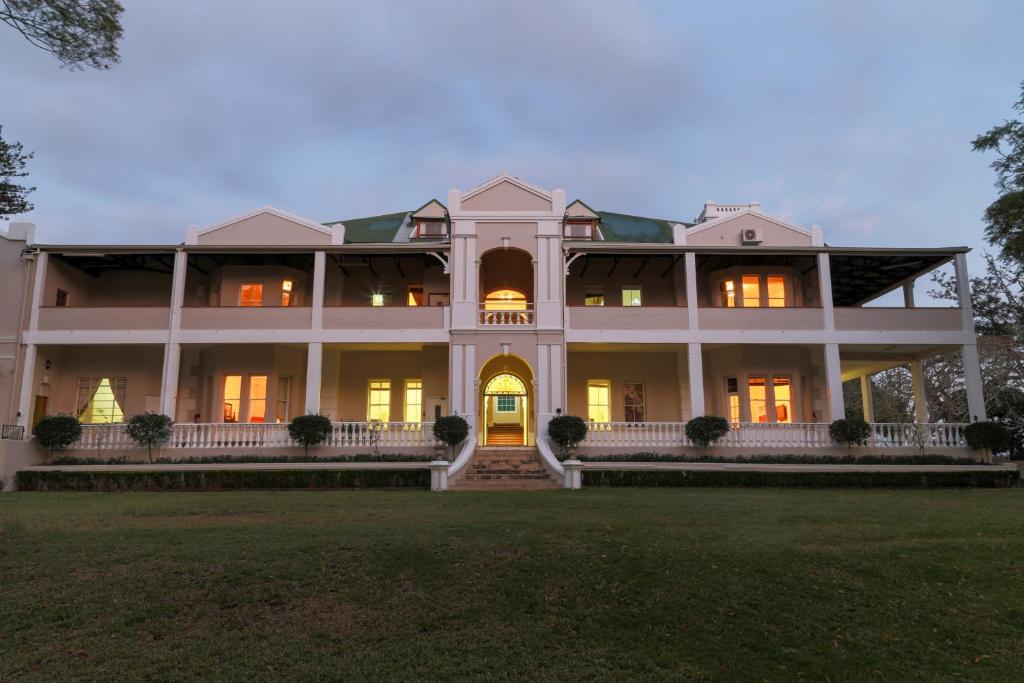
point(506, 402)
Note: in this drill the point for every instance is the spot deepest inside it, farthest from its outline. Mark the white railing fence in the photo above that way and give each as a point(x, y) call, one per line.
point(518, 318)
point(911, 435)
point(382, 435)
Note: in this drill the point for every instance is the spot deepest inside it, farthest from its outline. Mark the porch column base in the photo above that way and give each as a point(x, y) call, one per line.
point(573, 474)
point(439, 475)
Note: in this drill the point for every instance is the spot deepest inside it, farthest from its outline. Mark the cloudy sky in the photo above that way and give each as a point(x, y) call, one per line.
point(857, 116)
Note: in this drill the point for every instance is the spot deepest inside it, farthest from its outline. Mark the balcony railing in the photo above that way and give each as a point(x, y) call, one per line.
point(773, 435)
point(12, 432)
point(383, 435)
point(501, 318)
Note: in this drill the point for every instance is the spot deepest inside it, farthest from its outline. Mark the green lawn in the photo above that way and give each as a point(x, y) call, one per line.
point(722, 584)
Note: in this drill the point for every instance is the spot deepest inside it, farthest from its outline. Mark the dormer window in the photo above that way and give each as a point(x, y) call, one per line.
point(426, 227)
point(580, 229)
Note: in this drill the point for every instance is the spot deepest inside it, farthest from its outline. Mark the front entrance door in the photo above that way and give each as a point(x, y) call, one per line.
point(505, 411)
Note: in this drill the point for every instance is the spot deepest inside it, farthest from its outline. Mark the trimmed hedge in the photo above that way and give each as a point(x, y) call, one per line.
point(782, 459)
point(244, 459)
point(32, 480)
point(996, 479)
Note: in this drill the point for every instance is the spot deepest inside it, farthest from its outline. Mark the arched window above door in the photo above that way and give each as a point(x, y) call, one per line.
point(505, 384)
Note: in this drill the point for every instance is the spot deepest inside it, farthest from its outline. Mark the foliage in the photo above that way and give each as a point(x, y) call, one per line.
point(57, 432)
point(78, 33)
point(1004, 218)
point(451, 430)
point(309, 430)
point(149, 429)
point(242, 459)
point(13, 196)
point(567, 431)
point(787, 459)
point(996, 478)
point(988, 436)
point(850, 432)
point(705, 430)
point(65, 480)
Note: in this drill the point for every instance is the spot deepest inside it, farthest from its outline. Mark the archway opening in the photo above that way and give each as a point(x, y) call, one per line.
point(506, 402)
point(505, 300)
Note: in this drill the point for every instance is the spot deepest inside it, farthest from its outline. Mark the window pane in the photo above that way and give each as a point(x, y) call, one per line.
point(598, 402)
point(776, 291)
point(729, 293)
point(631, 296)
point(287, 293)
point(232, 397)
point(506, 404)
point(250, 295)
point(284, 388)
point(379, 400)
point(413, 400)
point(257, 398)
point(783, 399)
point(633, 398)
point(415, 297)
point(733, 394)
point(100, 398)
point(593, 298)
point(758, 399)
point(751, 291)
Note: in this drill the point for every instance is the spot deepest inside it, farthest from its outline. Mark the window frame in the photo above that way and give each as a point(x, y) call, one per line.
point(370, 395)
point(410, 294)
point(626, 405)
point(406, 388)
point(499, 409)
point(596, 290)
point(640, 295)
point(607, 385)
point(241, 288)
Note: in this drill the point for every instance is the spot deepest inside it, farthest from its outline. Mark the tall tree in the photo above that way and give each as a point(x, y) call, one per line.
point(79, 33)
point(13, 196)
point(1004, 218)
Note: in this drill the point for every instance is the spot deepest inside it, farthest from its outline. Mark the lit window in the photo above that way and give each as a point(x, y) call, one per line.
point(783, 396)
point(633, 397)
point(250, 295)
point(413, 400)
point(599, 401)
point(257, 398)
point(505, 300)
point(776, 291)
point(729, 293)
point(415, 296)
point(758, 393)
point(381, 297)
point(751, 291)
point(232, 397)
point(733, 394)
point(593, 297)
point(632, 296)
point(505, 404)
point(287, 293)
point(284, 390)
point(379, 401)
point(100, 399)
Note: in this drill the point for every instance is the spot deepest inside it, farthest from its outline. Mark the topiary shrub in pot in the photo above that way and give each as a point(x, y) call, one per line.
point(990, 437)
point(309, 430)
point(705, 430)
point(451, 430)
point(148, 430)
point(567, 431)
point(57, 432)
point(850, 432)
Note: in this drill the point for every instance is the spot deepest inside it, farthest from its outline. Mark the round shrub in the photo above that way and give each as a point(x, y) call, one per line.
point(451, 430)
point(567, 431)
point(850, 432)
point(705, 430)
point(988, 436)
point(57, 432)
point(149, 429)
point(309, 430)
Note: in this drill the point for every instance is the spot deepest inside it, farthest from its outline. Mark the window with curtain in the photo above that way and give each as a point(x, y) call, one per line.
point(633, 398)
point(757, 387)
point(232, 397)
point(414, 296)
point(593, 297)
point(250, 295)
point(379, 400)
point(732, 392)
point(783, 398)
point(751, 291)
point(728, 294)
point(101, 399)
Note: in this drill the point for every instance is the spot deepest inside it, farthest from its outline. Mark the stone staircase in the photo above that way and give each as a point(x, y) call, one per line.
point(504, 469)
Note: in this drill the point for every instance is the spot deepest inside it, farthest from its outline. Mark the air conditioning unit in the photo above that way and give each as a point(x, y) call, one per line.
point(751, 236)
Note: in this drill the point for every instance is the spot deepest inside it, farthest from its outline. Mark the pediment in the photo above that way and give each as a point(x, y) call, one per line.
point(266, 227)
point(580, 210)
point(726, 231)
point(506, 193)
point(432, 210)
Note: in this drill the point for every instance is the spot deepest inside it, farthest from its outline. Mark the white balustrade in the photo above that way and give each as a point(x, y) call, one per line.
point(635, 434)
point(104, 437)
point(383, 435)
point(913, 435)
point(777, 435)
point(506, 318)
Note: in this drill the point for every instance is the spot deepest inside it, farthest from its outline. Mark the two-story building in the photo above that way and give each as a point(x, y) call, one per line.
point(504, 304)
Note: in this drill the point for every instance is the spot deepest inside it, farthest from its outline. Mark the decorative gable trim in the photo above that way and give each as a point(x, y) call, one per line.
point(579, 209)
point(753, 212)
point(284, 215)
point(506, 178)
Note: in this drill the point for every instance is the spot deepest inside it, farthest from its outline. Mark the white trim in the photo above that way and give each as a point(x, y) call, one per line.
point(273, 211)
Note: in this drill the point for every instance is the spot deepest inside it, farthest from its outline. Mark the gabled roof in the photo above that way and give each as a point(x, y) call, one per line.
point(432, 209)
point(579, 209)
point(270, 210)
point(372, 229)
point(506, 178)
point(700, 227)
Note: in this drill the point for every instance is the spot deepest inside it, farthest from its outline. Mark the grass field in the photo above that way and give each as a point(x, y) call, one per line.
point(596, 584)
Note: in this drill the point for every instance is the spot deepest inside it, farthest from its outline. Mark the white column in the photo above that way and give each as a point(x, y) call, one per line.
point(866, 398)
point(825, 292)
point(963, 292)
point(834, 382)
point(908, 293)
point(695, 365)
point(920, 400)
point(319, 262)
point(314, 368)
point(178, 289)
point(972, 377)
point(42, 258)
point(27, 395)
point(169, 387)
point(690, 261)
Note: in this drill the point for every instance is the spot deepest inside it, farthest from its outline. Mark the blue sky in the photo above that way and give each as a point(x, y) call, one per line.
point(856, 116)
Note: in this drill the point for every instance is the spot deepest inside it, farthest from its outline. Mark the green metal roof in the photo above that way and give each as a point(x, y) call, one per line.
point(621, 227)
point(374, 229)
